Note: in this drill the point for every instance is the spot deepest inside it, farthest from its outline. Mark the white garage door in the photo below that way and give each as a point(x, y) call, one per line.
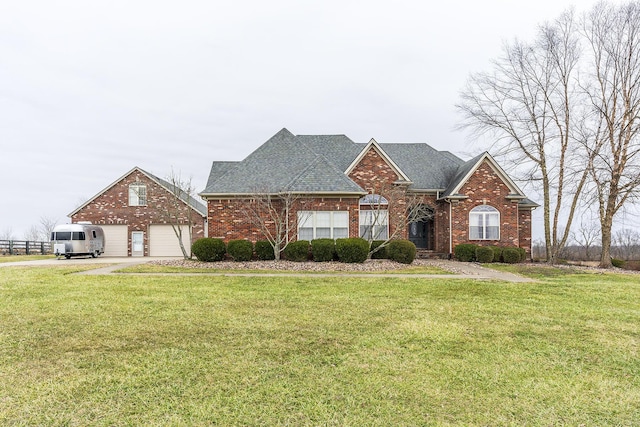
point(116, 240)
point(163, 241)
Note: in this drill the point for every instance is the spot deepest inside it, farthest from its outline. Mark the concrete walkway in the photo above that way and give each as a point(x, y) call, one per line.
point(110, 265)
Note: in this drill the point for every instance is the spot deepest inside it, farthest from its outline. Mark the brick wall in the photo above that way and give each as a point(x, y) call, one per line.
point(112, 207)
point(486, 187)
point(228, 220)
point(525, 230)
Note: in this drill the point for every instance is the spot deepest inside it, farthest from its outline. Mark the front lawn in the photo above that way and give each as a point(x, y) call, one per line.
point(16, 258)
point(201, 350)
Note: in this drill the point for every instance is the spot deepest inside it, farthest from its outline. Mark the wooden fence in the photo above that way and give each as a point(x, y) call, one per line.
point(24, 247)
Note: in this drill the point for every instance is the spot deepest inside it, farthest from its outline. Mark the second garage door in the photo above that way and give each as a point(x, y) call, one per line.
point(163, 241)
point(116, 240)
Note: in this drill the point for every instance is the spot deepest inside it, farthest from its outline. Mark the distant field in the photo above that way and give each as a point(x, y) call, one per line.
point(198, 350)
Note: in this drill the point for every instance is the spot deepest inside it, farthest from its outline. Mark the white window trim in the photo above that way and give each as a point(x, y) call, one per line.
point(484, 214)
point(378, 219)
point(305, 216)
point(134, 190)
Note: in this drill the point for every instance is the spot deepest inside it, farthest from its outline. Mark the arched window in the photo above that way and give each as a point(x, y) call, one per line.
point(374, 217)
point(484, 223)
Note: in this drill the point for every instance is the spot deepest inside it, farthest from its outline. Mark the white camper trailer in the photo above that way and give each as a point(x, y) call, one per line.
point(77, 239)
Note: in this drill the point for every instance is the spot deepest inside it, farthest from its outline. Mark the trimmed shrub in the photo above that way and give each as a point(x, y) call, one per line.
point(354, 249)
point(617, 262)
point(240, 250)
point(402, 251)
point(380, 253)
point(323, 250)
point(511, 255)
point(209, 249)
point(297, 251)
point(523, 254)
point(484, 254)
point(497, 253)
point(264, 250)
point(465, 252)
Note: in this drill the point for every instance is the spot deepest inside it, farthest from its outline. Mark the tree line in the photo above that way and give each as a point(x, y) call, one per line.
point(564, 110)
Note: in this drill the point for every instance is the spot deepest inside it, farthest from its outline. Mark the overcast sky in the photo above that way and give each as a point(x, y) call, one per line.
point(90, 89)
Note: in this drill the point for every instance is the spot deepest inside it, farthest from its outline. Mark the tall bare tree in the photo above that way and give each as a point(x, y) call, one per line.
point(534, 100)
point(613, 33)
point(272, 214)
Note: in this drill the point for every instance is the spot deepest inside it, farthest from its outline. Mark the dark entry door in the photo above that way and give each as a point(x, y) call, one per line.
point(419, 234)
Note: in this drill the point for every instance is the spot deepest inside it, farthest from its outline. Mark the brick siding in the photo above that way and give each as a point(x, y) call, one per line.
point(112, 207)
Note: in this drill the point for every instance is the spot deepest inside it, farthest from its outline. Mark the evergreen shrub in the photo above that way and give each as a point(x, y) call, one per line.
point(323, 250)
point(379, 253)
point(352, 250)
point(402, 251)
point(484, 254)
point(297, 251)
point(497, 253)
point(240, 250)
point(511, 255)
point(465, 252)
point(264, 250)
point(208, 249)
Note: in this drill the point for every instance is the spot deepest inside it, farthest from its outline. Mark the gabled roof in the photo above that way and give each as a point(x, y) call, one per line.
point(467, 169)
point(283, 163)
point(321, 164)
point(190, 201)
point(373, 144)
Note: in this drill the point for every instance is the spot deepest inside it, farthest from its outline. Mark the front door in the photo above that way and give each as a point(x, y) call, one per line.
point(137, 243)
point(419, 234)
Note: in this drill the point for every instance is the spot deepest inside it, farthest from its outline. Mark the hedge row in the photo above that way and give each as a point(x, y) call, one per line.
point(350, 250)
point(468, 252)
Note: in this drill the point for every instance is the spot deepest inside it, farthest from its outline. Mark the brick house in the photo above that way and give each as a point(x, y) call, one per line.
point(348, 189)
point(136, 212)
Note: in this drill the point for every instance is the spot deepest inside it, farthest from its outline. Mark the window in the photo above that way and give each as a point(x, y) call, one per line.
point(374, 224)
point(323, 224)
point(484, 223)
point(137, 195)
point(78, 235)
point(374, 217)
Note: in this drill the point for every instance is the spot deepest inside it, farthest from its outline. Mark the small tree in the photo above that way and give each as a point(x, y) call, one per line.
point(390, 212)
point(178, 211)
point(271, 214)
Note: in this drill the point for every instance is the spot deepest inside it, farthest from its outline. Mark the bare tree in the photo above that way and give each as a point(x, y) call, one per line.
point(390, 212)
point(530, 103)
point(33, 234)
point(587, 236)
point(613, 33)
point(626, 244)
point(47, 224)
point(271, 213)
point(7, 234)
point(178, 211)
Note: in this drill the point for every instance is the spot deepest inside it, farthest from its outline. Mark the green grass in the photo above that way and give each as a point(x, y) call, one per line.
point(16, 258)
point(155, 268)
point(198, 350)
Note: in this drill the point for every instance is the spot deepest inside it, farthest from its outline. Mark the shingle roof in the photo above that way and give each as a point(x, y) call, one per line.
point(283, 163)
point(317, 164)
point(461, 172)
point(426, 167)
point(190, 201)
